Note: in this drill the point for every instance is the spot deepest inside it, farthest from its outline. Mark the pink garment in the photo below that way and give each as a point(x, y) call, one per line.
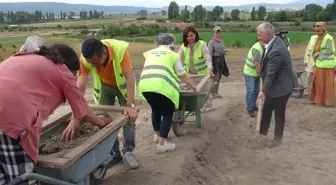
point(32, 88)
point(217, 39)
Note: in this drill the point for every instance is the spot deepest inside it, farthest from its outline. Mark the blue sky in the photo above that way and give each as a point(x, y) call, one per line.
point(156, 3)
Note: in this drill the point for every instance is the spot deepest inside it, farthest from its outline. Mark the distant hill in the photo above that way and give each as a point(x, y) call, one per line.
point(65, 7)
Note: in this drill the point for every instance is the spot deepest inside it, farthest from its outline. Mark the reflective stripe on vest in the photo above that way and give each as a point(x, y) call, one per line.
point(250, 67)
point(199, 60)
point(311, 46)
point(119, 48)
point(329, 62)
point(159, 76)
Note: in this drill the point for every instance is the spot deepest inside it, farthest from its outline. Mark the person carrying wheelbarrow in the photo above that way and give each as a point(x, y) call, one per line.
point(252, 77)
point(195, 57)
point(322, 92)
point(35, 81)
point(159, 85)
point(110, 65)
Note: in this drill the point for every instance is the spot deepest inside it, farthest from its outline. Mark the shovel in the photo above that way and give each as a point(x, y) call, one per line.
point(259, 109)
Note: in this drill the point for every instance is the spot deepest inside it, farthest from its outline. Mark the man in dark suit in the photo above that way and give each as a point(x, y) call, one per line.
point(279, 80)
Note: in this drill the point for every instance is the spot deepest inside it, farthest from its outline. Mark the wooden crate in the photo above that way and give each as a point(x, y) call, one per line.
point(203, 84)
point(65, 158)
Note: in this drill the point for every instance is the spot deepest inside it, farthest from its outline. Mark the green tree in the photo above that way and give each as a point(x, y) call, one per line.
point(210, 16)
point(235, 14)
point(199, 13)
point(262, 13)
point(253, 14)
point(185, 14)
point(217, 12)
point(143, 13)
point(311, 11)
point(173, 10)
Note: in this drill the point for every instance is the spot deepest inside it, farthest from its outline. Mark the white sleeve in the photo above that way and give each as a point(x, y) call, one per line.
point(178, 67)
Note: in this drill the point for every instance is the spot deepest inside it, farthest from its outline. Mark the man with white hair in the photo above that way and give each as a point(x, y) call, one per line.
point(279, 80)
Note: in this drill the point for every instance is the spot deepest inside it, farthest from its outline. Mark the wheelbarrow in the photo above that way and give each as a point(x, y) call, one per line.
point(85, 164)
point(191, 103)
point(299, 90)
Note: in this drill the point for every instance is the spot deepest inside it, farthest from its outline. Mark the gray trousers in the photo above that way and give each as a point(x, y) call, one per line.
point(309, 82)
point(108, 95)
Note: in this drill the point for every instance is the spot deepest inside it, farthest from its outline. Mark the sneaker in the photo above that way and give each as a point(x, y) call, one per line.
point(255, 109)
point(130, 160)
point(156, 138)
point(251, 113)
point(167, 146)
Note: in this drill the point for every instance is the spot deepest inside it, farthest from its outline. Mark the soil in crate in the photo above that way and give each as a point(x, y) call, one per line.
point(55, 143)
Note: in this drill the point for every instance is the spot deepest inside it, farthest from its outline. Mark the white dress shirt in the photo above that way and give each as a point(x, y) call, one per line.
point(267, 45)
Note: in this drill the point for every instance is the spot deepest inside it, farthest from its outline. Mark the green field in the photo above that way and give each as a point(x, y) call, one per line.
point(231, 39)
point(19, 41)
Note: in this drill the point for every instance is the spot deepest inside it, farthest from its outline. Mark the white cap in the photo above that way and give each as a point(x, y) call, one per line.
point(32, 44)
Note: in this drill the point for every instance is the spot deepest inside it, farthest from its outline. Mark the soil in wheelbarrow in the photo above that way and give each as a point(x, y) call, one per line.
point(55, 143)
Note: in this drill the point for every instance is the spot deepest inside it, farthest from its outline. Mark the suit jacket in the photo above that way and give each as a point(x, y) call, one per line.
point(277, 73)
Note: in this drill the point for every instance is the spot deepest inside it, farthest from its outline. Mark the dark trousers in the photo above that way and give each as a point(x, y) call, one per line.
point(277, 104)
point(162, 112)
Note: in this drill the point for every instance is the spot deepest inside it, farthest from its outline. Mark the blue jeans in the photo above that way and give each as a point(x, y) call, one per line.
point(252, 91)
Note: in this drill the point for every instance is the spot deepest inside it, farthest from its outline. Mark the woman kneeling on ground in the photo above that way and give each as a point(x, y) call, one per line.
point(35, 82)
point(159, 85)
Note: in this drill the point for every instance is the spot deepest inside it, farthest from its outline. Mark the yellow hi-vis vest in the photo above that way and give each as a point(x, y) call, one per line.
point(250, 67)
point(158, 74)
point(330, 61)
point(311, 47)
point(199, 61)
point(119, 48)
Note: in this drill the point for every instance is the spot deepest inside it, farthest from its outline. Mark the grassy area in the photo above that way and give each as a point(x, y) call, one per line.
point(90, 22)
point(231, 39)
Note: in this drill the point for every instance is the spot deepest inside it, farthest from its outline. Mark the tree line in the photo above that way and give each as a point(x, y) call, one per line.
point(311, 12)
point(21, 17)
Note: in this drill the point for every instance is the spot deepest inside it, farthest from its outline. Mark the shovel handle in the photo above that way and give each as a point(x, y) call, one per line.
point(259, 110)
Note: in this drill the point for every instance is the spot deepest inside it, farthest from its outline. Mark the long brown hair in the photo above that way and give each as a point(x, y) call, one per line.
point(60, 54)
point(185, 35)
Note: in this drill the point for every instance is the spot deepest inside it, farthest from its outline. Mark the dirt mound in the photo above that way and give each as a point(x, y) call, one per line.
point(55, 143)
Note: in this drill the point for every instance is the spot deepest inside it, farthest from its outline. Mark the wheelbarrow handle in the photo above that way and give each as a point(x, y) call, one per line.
point(16, 181)
point(208, 93)
point(33, 176)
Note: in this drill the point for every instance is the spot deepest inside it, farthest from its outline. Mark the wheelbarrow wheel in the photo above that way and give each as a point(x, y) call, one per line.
point(98, 175)
point(178, 124)
point(298, 91)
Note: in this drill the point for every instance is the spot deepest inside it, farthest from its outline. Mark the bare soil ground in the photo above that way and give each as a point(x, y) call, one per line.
point(220, 152)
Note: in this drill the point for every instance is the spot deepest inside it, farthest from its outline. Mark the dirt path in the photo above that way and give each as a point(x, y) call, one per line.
point(220, 154)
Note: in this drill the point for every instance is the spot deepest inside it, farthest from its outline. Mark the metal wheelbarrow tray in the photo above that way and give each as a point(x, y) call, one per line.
point(85, 164)
point(191, 102)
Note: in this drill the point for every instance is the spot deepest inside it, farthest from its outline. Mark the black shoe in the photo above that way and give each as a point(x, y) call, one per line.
point(255, 109)
point(275, 142)
point(251, 113)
